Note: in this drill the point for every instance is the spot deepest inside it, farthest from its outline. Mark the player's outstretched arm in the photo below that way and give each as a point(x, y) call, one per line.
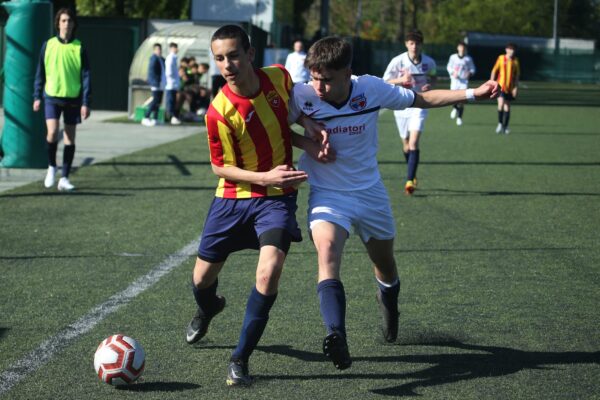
point(281, 176)
point(441, 98)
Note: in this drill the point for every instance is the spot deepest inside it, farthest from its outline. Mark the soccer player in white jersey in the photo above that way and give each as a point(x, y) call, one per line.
point(460, 68)
point(417, 71)
point(349, 192)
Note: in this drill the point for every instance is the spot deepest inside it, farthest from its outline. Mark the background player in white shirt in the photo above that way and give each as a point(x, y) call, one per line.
point(349, 192)
point(460, 68)
point(294, 63)
point(417, 71)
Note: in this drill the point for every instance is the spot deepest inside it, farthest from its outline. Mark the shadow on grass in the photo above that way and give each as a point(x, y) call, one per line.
point(475, 362)
point(159, 387)
point(3, 332)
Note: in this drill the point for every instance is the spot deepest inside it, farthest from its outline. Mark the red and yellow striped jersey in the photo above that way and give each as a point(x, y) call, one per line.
point(508, 71)
point(251, 133)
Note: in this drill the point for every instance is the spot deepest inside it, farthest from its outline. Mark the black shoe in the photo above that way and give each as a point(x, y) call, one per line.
point(237, 374)
point(390, 321)
point(198, 326)
point(336, 348)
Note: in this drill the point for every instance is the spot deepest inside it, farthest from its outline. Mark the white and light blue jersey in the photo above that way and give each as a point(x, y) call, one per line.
point(460, 69)
point(352, 131)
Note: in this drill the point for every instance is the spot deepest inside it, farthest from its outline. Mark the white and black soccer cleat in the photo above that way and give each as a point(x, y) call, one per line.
point(237, 374)
point(198, 326)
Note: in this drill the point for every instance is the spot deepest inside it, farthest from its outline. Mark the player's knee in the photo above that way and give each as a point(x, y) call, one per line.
point(327, 251)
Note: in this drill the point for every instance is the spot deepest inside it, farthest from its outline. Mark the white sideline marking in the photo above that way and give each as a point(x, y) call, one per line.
point(45, 351)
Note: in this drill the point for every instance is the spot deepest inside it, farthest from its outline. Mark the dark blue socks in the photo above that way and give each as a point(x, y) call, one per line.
point(413, 163)
point(52, 154)
point(332, 299)
point(255, 321)
point(68, 155)
point(506, 119)
point(206, 298)
point(389, 294)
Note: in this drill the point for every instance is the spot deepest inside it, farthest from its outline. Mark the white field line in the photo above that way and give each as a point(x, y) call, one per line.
point(50, 347)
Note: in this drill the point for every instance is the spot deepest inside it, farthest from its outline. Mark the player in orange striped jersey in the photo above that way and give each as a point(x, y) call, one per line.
point(254, 207)
point(506, 71)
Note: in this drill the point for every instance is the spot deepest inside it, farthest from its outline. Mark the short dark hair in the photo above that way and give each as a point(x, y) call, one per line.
point(415, 35)
point(329, 53)
point(511, 45)
point(232, 32)
point(155, 45)
point(172, 44)
point(461, 43)
point(70, 13)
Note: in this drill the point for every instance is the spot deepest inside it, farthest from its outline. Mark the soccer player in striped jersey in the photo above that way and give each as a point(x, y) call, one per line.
point(461, 68)
point(349, 192)
point(506, 71)
point(417, 71)
point(250, 145)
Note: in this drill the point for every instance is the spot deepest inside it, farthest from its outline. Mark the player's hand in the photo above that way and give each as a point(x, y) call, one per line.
point(488, 90)
point(283, 176)
point(319, 152)
point(36, 105)
point(85, 112)
point(514, 92)
point(316, 131)
point(426, 87)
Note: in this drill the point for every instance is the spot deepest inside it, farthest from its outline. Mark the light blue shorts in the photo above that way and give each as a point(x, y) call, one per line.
point(367, 210)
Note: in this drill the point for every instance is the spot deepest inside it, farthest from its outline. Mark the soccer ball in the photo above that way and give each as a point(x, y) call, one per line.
point(119, 360)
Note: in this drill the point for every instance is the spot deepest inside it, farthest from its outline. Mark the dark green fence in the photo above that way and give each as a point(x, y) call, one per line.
point(536, 65)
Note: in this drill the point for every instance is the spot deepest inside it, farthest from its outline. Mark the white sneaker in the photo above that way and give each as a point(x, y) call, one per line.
point(148, 122)
point(506, 131)
point(499, 128)
point(64, 184)
point(453, 113)
point(201, 112)
point(49, 181)
point(459, 121)
point(175, 121)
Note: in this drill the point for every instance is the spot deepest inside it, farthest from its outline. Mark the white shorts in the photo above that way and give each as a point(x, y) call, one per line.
point(457, 84)
point(410, 120)
point(368, 211)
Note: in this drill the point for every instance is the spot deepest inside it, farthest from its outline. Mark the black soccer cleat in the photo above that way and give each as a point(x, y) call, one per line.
point(198, 326)
point(336, 349)
point(237, 374)
point(390, 321)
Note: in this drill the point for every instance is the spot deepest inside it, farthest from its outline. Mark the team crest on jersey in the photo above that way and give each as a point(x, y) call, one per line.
point(308, 106)
point(273, 98)
point(359, 102)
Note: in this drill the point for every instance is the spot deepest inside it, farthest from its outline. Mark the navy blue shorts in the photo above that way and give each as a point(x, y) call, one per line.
point(71, 112)
point(507, 96)
point(236, 224)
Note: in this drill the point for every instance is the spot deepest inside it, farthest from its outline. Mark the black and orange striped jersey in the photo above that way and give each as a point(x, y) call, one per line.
point(508, 71)
point(251, 133)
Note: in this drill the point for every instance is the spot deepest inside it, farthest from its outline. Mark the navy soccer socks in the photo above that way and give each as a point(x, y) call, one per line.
point(68, 155)
point(206, 298)
point(332, 299)
point(506, 119)
point(255, 321)
point(413, 163)
point(52, 148)
point(389, 294)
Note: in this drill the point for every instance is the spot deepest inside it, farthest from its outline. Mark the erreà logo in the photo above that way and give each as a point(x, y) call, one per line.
point(359, 102)
point(273, 98)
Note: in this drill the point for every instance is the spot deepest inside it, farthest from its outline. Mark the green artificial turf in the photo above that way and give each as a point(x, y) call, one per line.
point(498, 252)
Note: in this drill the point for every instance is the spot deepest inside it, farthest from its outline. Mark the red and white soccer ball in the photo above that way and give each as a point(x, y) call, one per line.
point(119, 360)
